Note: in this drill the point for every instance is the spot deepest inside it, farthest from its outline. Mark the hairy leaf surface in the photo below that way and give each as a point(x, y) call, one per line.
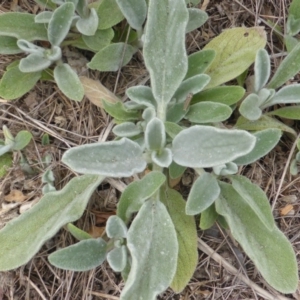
point(270, 250)
point(121, 158)
point(197, 18)
point(199, 61)
point(155, 135)
point(117, 258)
point(249, 108)
point(135, 12)
point(186, 235)
point(22, 26)
point(288, 68)
point(60, 23)
point(266, 140)
point(137, 193)
point(208, 217)
point(255, 197)
point(228, 95)
point(109, 14)
point(264, 122)
point(23, 237)
point(15, 83)
point(153, 246)
point(205, 146)
point(204, 192)
point(68, 82)
point(8, 45)
point(141, 95)
point(82, 256)
point(289, 112)
point(166, 58)
point(262, 69)
point(208, 112)
point(99, 40)
point(112, 57)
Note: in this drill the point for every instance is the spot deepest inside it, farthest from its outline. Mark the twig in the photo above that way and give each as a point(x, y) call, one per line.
point(262, 20)
point(219, 259)
point(122, 59)
point(287, 164)
point(36, 288)
point(106, 296)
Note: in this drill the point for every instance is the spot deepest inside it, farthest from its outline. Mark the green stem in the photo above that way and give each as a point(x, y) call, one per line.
point(161, 111)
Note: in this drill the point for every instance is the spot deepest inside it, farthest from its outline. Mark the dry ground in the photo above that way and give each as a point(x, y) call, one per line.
point(46, 110)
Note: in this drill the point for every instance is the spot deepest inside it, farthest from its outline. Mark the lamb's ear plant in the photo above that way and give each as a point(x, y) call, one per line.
point(43, 38)
point(292, 25)
point(152, 240)
point(264, 95)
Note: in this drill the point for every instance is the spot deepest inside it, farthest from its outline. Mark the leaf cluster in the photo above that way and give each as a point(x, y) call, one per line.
point(179, 122)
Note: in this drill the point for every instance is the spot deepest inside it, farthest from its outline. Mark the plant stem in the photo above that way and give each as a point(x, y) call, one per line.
point(161, 111)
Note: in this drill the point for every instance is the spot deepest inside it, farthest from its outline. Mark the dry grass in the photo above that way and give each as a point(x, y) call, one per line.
point(46, 110)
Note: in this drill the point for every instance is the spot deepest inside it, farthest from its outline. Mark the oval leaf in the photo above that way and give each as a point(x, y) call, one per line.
point(99, 40)
point(141, 95)
point(249, 108)
point(22, 26)
point(264, 122)
point(83, 256)
point(266, 140)
point(228, 95)
point(8, 45)
point(15, 83)
point(262, 69)
point(197, 18)
point(60, 23)
point(121, 158)
point(155, 136)
point(22, 139)
point(162, 158)
point(135, 12)
point(137, 192)
point(205, 146)
point(109, 14)
point(126, 129)
point(89, 25)
point(34, 62)
point(208, 112)
point(187, 238)
point(25, 235)
point(115, 227)
point(270, 250)
point(112, 57)
point(235, 52)
point(78, 233)
point(117, 258)
point(204, 192)
point(289, 112)
point(164, 49)
point(255, 197)
point(208, 217)
point(153, 261)
point(288, 94)
point(68, 82)
point(119, 111)
point(199, 61)
point(288, 68)
point(191, 85)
